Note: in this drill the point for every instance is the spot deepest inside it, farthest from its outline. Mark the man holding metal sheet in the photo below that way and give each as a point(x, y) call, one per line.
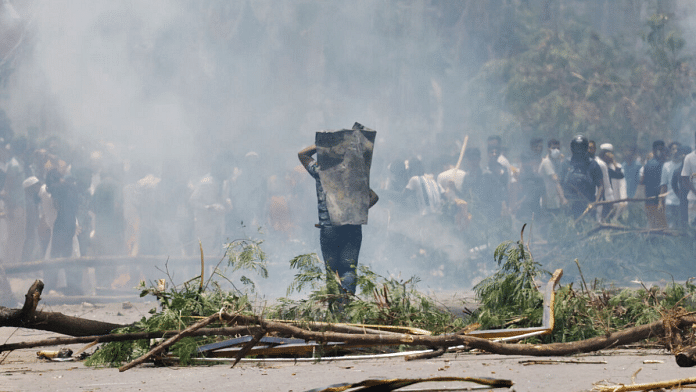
point(342, 174)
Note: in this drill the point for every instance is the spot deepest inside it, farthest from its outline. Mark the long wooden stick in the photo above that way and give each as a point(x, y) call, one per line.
point(552, 349)
point(461, 153)
point(247, 347)
point(596, 204)
point(121, 337)
point(200, 245)
point(652, 386)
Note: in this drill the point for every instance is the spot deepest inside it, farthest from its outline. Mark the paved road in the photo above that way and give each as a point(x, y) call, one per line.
point(250, 376)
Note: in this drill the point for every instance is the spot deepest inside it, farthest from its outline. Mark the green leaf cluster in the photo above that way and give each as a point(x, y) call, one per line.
point(183, 305)
point(510, 296)
point(380, 300)
point(586, 314)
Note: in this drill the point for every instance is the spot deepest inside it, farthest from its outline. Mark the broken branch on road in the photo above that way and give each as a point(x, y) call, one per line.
point(306, 337)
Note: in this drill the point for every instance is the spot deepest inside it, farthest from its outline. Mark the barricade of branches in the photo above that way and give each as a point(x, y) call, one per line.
point(673, 330)
point(587, 318)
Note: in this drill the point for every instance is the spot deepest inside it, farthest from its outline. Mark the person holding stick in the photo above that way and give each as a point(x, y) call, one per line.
point(451, 180)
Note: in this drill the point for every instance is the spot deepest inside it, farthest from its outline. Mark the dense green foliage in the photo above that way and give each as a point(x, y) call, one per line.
point(183, 305)
point(585, 314)
point(180, 308)
point(511, 295)
point(510, 298)
point(567, 77)
point(380, 300)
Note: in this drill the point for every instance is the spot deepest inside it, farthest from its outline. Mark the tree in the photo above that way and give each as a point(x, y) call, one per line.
point(569, 79)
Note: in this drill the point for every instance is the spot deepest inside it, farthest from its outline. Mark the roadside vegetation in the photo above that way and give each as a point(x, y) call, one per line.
point(509, 298)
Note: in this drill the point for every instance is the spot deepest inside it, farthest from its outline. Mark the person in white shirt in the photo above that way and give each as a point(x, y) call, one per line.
point(495, 143)
point(549, 168)
point(451, 177)
point(608, 193)
point(671, 200)
point(688, 175)
point(423, 188)
point(616, 177)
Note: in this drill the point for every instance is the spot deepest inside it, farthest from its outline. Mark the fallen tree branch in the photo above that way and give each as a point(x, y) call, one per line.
point(160, 348)
point(29, 317)
point(255, 326)
point(645, 387)
point(121, 337)
point(614, 339)
point(398, 383)
point(321, 333)
point(247, 347)
point(687, 358)
point(427, 355)
point(596, 204)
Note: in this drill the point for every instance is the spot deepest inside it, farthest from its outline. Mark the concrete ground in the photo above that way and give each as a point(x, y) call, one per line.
point(21, 370)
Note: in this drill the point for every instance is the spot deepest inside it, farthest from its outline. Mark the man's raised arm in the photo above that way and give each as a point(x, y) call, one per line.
point(305, 155)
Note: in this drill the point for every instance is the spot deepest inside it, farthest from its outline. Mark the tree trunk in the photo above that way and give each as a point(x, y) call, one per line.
point(29, 317)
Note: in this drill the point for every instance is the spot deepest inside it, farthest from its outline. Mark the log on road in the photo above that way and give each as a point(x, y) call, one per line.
point(29, 317)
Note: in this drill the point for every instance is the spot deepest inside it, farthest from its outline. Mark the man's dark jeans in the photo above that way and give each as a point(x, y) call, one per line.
point(340, 246)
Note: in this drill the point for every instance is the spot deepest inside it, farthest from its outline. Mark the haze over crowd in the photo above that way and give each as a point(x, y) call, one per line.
point(176, 84)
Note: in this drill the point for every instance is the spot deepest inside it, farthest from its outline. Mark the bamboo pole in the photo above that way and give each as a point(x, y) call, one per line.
point(461, 153)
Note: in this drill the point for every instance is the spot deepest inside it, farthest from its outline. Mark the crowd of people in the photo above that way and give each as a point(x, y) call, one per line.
point(541, 186)
point(63, 201)
point(59, 201)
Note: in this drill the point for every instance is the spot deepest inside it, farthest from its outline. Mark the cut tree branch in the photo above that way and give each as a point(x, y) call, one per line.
point(619, 338)
point(160, 348)
point(29, 317)
point(122, 337)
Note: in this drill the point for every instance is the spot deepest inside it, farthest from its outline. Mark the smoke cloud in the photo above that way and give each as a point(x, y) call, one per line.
point(162, 81)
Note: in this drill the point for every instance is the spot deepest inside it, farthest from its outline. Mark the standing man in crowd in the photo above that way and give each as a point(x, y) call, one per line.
point(671, 200)
point(651, 176)
point(687, 181)
point(617, 179)
point(679, 189)
point(582, 176)
point(550, 166)
point(423, 192)
point(631, 168)
point(607, 193)
point(342, 180)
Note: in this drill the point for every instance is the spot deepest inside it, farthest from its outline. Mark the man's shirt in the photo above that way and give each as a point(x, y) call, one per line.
point(689, 169)
point(324, 218)
point(652, 174)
